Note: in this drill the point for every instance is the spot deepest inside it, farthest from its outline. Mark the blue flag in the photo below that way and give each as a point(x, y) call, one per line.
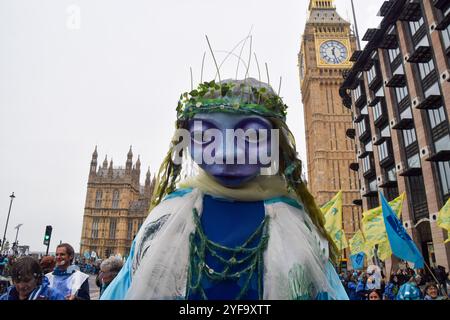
point(358, 261)
point(401, 243)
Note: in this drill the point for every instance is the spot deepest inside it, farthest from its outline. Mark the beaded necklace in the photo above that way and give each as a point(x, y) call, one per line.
point(200, 246)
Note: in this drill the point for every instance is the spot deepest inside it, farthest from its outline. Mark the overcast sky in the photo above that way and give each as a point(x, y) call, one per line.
point(112, 78)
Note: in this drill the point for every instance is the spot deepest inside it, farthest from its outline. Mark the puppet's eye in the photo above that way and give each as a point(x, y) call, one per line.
point(204, 137)
point(255, 131)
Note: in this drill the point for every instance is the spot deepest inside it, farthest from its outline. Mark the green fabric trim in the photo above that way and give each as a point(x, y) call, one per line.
point(289, 201)
point(199, 269)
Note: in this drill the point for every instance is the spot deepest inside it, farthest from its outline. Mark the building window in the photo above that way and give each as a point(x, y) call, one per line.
point(98, 199)
point(393, 54)
point(94, 228)
point(380, 92)
point(373, 185)
point(406, 114)
point(425, 68)
point(366, 164)
point(414, 161)
point(444, 174)
point(415, 26)
point(442, 143)
point(436, 116)
point(409, 137)
point(446, 37)
point(401, 93)
point(400, 70)
point(130, 229)
point(385, 132)
point(377, 111)
point(112, 229)
point(417, 197)
point(115, 201)
point(432, 90)
point(383, 151)
point(391, 174)
point(372, 73)
point(368, 146)
point(423, 42)
point(361, 127)
point(357, 93)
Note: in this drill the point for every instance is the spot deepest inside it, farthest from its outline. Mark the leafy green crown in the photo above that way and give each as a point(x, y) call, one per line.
point(239, 97)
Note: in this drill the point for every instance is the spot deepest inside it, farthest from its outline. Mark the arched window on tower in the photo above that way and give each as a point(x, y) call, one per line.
point(115, 201)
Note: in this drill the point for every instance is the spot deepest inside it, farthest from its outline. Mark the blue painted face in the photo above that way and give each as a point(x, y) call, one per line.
point(204, 141)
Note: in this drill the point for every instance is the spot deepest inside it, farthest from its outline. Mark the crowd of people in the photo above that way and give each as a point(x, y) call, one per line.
point(56, 277)
point(61, 277)
point(404, 284)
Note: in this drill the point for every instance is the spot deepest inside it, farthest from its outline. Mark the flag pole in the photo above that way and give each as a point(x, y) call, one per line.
point(435, 279)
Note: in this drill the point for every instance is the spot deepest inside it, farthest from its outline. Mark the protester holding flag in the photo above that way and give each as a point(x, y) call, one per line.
point(332, 211)
point(391, 289)
point(361, 287)
point(350, 288)
point(401, 243)
point(375, 231)
point(432, 293)
point(357, 249)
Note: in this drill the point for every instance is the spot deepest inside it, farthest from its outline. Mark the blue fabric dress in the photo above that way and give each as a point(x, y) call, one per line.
point(230, 224)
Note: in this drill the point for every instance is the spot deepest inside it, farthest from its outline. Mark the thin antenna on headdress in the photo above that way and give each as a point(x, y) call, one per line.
point(242, 49)
point(249, 57)
point(203, 63)
point(192, 80)
point(257, 64)
point(279, 87)
point(232, 54)
point(267, 71)
point(214, 58)
point(229, 53)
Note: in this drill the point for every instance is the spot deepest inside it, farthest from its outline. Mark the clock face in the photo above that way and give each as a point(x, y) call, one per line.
point(333, 52)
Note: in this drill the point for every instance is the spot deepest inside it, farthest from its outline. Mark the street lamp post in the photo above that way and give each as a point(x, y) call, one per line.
point(12, 196)
point(16, 244)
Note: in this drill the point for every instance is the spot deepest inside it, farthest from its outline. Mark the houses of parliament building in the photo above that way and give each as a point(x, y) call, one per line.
point(116, 206)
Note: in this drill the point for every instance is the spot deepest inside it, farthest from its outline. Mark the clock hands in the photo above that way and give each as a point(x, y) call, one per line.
point(334, 54)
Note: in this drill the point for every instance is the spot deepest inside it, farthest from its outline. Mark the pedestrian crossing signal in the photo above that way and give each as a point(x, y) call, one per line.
point(48, 234)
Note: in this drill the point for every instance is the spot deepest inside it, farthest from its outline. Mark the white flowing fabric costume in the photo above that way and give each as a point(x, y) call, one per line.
point(296, 264)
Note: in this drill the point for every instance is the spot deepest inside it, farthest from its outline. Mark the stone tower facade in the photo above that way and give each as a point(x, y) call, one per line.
point(116, 206)
point(326, 47)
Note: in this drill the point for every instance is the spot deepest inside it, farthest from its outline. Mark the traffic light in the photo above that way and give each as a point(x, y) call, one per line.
point(48, 234)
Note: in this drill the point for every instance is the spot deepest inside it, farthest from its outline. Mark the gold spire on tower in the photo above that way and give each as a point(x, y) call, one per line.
point(321, 4)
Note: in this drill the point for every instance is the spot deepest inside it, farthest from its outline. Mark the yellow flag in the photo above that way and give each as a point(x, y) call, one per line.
point(443, 219)
point(333, 220)
point(384, 250)
point(373, 223)
point(357, 243)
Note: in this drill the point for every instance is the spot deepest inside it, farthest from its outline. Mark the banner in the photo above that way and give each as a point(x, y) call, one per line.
point(357, 243)
point(443, 219)
point(333, 221)
point(384, 250)
point(401, 243)
point(374, 229)
point(357, 261)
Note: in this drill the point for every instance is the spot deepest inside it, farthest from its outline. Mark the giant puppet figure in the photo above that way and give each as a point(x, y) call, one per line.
point(240, 228)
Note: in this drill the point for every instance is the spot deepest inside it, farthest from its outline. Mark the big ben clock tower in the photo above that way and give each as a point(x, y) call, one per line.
point(326, 47)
